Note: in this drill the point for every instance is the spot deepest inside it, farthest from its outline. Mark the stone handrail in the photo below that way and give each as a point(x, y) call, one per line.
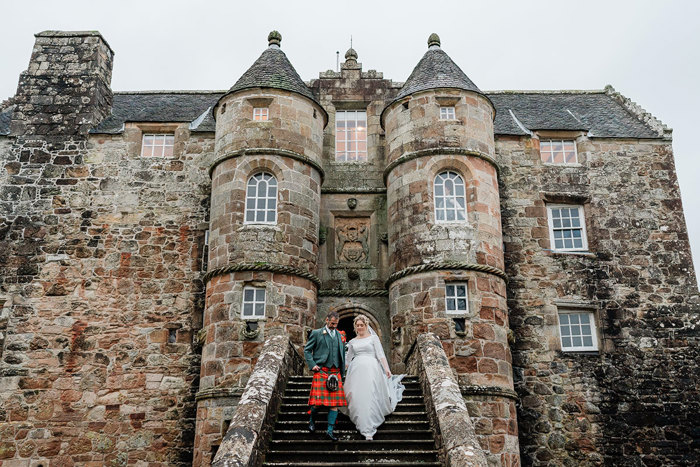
point(447, 411)
point(252, 422)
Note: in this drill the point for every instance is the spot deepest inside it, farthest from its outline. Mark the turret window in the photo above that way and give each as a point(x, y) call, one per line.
point(261, 114)
point(450, 199)
point(253, 302)
point(456, 298)
point(351, 135)
point(261, 199)
point(447, 113)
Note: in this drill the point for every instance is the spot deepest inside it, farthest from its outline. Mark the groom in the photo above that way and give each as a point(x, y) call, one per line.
point(325, 354)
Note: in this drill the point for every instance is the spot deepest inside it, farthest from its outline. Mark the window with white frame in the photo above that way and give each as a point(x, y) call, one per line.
point(450, 199)
point(253, 302)
point(567, 227)
point(447, 113)
point(577, 330)
point(351, 135)
point(260, 114)
point(560, 151)
point(456, 298)
point(261, 199)
point(157, 145)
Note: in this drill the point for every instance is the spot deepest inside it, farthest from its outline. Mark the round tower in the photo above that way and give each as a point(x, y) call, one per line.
point(445, 240)
point(263, 236)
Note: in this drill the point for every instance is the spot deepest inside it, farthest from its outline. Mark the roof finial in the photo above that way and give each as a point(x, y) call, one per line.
point(433, 41)
point(274, 39)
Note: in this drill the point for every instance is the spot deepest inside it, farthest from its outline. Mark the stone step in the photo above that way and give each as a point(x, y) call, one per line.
point(401, 407)
point(345, 424)
point(381, 435)
point(351, 464)
point(395, 416)
point(304, 392)
point(304, 399)
point(293, 379)
point(359, 445)
point(348, 456)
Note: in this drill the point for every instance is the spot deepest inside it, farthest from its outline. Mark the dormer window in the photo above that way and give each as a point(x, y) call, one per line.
point(260, 114)
point(157, 145)
point(351, 135)
point(447, 113)
point(558, 151)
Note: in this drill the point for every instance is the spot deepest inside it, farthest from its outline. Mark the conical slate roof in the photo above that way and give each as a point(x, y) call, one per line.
point(273, 70)
point(436, 70)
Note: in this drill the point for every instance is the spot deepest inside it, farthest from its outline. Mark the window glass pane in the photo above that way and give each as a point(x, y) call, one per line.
point(588, 341)
point(260, 216)
point(585, 318)
point(576, 341)
point(564, 319)
point(247, 309)
point(565, 330)
point(573, 318)
point(450, 303)
point(566, 341)
point(450, 215)
point(450, 290)
point(147, 151)
point(461, 291)
point(248, 295)
point(260, 295)
point(259, 309)
point(440, 215)
point(461, 304)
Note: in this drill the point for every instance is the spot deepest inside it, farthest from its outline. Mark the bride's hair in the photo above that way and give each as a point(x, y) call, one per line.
point(362, 318)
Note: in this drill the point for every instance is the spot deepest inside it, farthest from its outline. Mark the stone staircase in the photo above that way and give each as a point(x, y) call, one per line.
point(405, 438)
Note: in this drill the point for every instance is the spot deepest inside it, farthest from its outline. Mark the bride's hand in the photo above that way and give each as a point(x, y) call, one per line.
point(388, 374)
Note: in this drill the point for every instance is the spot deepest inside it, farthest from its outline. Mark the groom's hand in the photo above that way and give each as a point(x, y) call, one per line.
point(316, 368)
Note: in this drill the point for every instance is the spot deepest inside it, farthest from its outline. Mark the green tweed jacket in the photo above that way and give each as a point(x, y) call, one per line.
point(318, 350)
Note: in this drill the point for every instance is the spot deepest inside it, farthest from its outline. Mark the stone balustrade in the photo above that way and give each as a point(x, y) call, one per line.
point(447, 410)
point(253, 420)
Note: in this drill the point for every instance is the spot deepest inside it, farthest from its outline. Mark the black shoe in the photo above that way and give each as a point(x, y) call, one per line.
point(331, 436)
point(312, 426)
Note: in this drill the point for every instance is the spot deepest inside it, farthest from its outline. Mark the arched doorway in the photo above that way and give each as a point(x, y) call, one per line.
point(347, 316)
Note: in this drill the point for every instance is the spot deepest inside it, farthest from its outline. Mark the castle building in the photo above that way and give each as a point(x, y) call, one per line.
point(153, 243)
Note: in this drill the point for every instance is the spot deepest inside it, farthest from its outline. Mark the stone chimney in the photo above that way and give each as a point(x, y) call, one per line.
point(66, 89)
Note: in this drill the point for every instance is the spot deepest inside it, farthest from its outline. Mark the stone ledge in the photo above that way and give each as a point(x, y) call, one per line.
point(218, 393)
point(474, 390)
point(440, 151)
point(265, 267)
point(218, 159)
point(444, 265)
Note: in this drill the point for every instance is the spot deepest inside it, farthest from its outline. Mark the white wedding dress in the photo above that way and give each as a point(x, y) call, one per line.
point(371, 395)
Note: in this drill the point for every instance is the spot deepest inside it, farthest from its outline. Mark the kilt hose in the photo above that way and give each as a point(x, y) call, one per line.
point(320, 395)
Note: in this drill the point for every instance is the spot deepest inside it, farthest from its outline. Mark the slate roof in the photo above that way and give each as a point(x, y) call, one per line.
point(436, 70)
point(273, 70)
point(596, 112)
point(161, 106)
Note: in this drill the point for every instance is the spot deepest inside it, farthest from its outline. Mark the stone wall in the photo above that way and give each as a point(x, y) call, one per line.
point(101, 256)
point(633, 401)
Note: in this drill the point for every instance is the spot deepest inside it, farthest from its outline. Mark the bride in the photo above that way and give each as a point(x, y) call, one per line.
point(370, 389)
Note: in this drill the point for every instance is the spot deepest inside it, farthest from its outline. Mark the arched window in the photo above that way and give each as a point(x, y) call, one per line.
point(450, 201)
point(261, 199)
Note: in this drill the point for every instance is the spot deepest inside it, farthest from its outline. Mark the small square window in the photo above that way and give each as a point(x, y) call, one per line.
point(456, 298)
point(577, 330)
point(351, 136)
point(253, 302)
point(157, 145)
point(567, 227)
point(558, 152)
point(447, 113)
point(260, 114)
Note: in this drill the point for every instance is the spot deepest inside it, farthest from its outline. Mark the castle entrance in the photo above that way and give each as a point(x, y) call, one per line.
point(346, 320)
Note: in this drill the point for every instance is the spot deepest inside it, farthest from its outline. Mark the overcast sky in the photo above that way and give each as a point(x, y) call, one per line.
point(648, 50)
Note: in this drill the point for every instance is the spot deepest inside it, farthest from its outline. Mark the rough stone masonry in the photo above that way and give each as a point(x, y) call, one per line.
point(124, 335)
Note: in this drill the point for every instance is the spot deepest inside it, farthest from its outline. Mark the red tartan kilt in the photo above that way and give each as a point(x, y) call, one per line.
point(322, 396)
